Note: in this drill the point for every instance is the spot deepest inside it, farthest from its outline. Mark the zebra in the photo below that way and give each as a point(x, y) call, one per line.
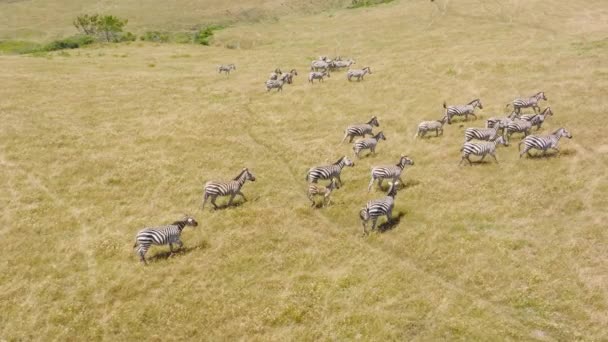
point(379, 207)
point(518, 126)
point(537, 119)
point(360, 130)
point(163, 235)
point(481, 149)
point(231, 188)
point(325, 191)
point(465, 110)
point(543, 143)
point(503, 120)
point(329, 171)
point(532, 101)
point(340, 64)
point(288, 76)
point(278, 84)
point(368, 144)
point(226, 68)
point(319, 65)
point(487, 134)
point(358, 73)
point(390, 171)
point(426, 126)
point(315, 75)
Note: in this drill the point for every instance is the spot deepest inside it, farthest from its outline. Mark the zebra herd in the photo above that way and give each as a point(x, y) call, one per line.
point(497, 131)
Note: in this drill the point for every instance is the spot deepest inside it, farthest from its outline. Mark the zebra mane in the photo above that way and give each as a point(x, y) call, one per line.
point(548, 109)
point(559, 129)
point(476, 100)
point(180, 223)
point(339, 160)
point(240, 174)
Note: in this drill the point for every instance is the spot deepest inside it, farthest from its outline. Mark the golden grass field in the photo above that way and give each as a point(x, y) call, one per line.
point(100, 142)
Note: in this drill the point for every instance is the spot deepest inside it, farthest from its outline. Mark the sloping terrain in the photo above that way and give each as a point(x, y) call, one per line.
point(98, 143)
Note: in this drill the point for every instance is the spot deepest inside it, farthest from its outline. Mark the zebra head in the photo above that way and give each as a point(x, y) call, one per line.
point(547, 111)
point(369, 71)
point(443, 120)
point(374, 121)
point(188, 221)
point(404, 160)
point(562, 132)
point(379, 136)
point(294, 72)
point(245, 175)
point(476, 103)
point(345, 161)
point(540, 96)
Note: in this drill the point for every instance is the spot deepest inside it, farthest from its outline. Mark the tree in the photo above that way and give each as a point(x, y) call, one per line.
point(87, 24)
point(105, 27)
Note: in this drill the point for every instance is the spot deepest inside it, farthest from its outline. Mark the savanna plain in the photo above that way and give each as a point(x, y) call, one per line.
point(99, 142)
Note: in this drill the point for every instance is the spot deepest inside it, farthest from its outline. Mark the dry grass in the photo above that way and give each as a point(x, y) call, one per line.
point(96, 144)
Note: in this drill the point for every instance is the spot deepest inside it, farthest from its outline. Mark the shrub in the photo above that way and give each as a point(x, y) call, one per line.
point(106, 27)
point(367, 3)
point(73, 42)
point(203, 36)
point(155, 36)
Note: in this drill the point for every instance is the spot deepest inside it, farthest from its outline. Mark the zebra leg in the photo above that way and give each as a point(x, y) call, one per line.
point(205, 198)
point(380, 183)
point(181, 244)
point(339, 180)
point(469, 160)
point(374, 221)
point(482, 158)
point(142, 255)
point(171, 247)
point(312, 199)
point(345, 136)
point(231, 198)
point(493, 155)
point(474, 115)
point(213, 201)
point(371, 182)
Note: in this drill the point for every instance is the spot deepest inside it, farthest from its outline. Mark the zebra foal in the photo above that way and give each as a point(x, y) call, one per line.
point(426, 126)
point(163, 235)
point(315, 75)
point(379, 207)
point(393, 172)
point(226, 68)
point(325, 191)
point(358, 73)
point(213, 189)
point(329, 171)
point(481, 149)
point(466, 110)
point(368, 144)
point(543, 143)
point(360, 130)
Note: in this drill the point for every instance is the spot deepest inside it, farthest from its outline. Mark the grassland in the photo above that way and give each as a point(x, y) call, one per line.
point(97, 143)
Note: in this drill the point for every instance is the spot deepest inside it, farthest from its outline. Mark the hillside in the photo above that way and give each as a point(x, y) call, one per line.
point(100, 142)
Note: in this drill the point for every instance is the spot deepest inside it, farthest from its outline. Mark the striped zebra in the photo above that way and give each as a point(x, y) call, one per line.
point(426, 126)
point(275, 74)
point(481, 149)
point(379, 207)
point(543, 143)
point(288, 76)
point(518, 126)
point(319, 65)
point(213, 189)
point(532, 101)
point(329, 171)
point(358, 73)
point(164, 235)
point(393, 172)
point(325, 191)
point(274, 84)
point(360, 130)
point(315, 75)
point(538, 119)
point(486, 134)
point(226, 68)
point(340, 64)
point(465, 110)
point(368, 144)
point(503, 119)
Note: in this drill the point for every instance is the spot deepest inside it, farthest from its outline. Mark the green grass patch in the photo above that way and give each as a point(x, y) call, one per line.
point(16, 47)
point(367, 3)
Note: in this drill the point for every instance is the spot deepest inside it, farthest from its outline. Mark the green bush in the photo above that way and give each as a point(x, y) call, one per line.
point(204, 35)
point(367, 3)
point(127, 37)
point(155, 36)
point(73, 42)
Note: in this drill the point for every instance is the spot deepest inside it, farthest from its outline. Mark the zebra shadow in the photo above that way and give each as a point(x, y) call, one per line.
point(390, 225)
point(177, 252)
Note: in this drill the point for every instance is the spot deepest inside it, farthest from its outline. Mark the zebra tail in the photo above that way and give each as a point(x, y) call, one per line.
point(135, 245)
point(444, 105)
point(507, 106)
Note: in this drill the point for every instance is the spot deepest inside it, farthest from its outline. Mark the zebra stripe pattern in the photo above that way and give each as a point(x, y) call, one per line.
point(543, 143)
point(358, 73)
point(274, 84)
point(538, 119)
point(426, 126)
point(329, 171)
point(164, 235)
point(465, 110)
point(360, 130)
point(393, 172)
point(532, 101)
point(481, 149)
point(231, 188)
point(226, 68)
point(325, 191)
point(379, 207)
point(288, 76)
point(315, 75)
point(518, 126)
point(486, 134)
point(368, 144)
